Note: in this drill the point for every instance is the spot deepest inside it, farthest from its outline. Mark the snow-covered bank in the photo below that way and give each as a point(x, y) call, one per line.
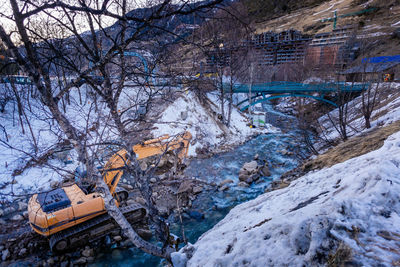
point(386, 110)
point(187, 114)
point(353, 205)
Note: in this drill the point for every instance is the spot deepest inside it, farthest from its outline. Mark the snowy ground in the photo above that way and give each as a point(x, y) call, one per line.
point(382, 115)
point(354, 205)
point(187, 114)
point(17, 147)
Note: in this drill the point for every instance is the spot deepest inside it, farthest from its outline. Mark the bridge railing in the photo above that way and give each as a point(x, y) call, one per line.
point(295, 87)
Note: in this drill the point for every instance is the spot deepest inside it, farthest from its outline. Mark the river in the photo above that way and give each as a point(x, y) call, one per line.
point(280, 150)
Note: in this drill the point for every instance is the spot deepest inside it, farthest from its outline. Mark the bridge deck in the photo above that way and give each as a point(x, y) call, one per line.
point(294, 87)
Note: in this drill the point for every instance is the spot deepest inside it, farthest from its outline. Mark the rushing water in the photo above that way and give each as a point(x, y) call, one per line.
point(214, 205)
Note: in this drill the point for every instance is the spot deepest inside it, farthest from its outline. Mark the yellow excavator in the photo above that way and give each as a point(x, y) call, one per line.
point(71, 217)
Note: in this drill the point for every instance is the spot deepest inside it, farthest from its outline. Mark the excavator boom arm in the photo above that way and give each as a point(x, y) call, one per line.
point(113, 170)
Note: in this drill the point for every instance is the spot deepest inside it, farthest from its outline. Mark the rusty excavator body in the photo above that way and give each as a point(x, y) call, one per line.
point(70, 216)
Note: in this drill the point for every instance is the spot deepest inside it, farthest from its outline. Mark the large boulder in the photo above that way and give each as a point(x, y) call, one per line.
point(249, 172)
point(265, 170)
point(251, 166)
point(224, 182)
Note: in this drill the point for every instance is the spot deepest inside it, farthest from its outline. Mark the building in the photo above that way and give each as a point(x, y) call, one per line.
point(385, 68)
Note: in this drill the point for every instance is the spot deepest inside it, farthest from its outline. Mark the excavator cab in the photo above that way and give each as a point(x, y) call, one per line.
point(53, 200)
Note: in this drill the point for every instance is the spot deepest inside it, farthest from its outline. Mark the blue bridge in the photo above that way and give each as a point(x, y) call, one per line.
point(267, 91)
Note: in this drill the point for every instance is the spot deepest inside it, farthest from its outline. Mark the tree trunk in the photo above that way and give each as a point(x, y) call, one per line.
point(126, 228)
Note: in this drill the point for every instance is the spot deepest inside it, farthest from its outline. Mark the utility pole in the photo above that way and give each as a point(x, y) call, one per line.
point(250, 88)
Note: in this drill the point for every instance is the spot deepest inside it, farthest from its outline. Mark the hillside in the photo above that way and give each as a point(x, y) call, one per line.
point(383, 20)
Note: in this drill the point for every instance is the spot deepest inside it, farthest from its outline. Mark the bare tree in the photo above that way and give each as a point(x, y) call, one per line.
point(57, 46)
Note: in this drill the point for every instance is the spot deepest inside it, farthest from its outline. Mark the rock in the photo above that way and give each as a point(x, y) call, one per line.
point(2, 222)
point(164, 211)
point(127, 187)
point(197, 189)
point(256, 156)
point(184, 115)
point(140, 200)
point(5, 254)
point(22, 252)
point(50, 261)
point(249, 180)
point(265, 171)
point(243, 184)
point(243, 175)
point(90, 259)
point(287, 153)
point(17, 217)
point(64, 264)
point(162, 162)
point(1, 212)
point(25, 214)
point(224, 182)
point(153, 180)
point(117, 238)
point(250, 166)
point(130, 202)
point(223, 188)
point(54, 184)
point(186, 186)
point(88, 252)
point(80, 261)
point(143, 165)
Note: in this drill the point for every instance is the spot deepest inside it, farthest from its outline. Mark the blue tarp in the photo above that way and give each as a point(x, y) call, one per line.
point(381, 59)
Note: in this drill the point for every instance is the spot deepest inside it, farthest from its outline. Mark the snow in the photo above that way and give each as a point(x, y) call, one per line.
point(354, 203)
point(187, 114)
point(395, 24)
point(16, 148)
point(390, 111)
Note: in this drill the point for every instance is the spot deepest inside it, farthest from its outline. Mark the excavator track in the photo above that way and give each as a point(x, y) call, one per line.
point(93, 229)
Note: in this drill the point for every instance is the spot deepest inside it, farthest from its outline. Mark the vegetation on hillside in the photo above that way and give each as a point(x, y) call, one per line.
point(262, 10)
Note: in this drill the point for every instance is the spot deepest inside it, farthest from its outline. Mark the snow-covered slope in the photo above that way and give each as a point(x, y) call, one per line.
point(387, 110)
point(353, 205)
point(187, 114)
